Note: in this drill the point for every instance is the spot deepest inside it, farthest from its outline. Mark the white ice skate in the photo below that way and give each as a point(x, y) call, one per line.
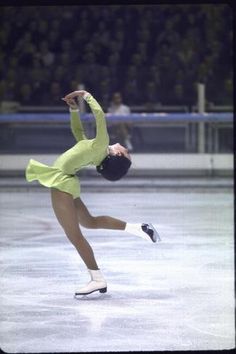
point(150, 230)
point(97, 283)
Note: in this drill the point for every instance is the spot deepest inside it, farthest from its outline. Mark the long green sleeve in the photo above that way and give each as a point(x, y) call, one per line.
point(76, 126)
point(101, 127)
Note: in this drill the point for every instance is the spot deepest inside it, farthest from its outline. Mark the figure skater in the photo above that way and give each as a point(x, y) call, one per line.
point(112, 162)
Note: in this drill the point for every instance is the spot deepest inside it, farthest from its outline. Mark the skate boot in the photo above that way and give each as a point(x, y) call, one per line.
point(97, 283)
point(150, 230)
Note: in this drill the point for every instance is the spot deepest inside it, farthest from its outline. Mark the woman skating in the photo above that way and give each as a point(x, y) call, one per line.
point(112, 162)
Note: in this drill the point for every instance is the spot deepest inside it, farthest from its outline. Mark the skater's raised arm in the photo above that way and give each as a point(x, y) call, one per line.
point(101, 128)
point(75, 122)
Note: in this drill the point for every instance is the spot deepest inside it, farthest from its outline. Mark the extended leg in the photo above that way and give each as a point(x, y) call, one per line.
point(145, 231)
point(96, 222)
point(66, 213)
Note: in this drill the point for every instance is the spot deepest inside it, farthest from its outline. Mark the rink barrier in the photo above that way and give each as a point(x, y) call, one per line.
point(142, 164)
point(215, 121)
point(49, 118)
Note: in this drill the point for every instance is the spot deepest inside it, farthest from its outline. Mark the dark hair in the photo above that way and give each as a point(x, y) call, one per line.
point(114, 167)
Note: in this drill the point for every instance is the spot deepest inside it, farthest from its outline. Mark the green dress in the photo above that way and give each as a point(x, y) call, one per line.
point(62, 174)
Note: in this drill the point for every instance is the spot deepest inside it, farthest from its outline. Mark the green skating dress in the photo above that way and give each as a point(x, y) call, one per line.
point(62, 174)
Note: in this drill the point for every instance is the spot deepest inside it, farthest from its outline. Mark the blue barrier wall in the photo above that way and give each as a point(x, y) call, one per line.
point(133, 117)
point(158, 132)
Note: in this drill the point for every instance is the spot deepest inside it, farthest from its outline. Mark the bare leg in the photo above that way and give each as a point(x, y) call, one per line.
point(66, 213)
point(96, 222)
point(85, 219)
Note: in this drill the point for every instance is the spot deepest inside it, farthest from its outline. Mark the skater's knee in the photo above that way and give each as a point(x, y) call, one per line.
point(89, 222)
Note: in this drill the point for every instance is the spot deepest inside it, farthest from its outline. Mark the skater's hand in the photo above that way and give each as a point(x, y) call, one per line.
point(76, 94)
point(71, 103)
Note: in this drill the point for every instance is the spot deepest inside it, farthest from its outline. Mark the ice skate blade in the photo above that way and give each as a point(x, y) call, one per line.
point(103, 290)
point(152, 233)
point(156, 236)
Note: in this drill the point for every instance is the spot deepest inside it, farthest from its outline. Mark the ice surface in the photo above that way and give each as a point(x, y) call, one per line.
point(173, 295)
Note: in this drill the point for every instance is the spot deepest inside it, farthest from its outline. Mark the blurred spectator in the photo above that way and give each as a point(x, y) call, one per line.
point(25, 95)
point(3, 90)
point(90, 72)
point(153, 74)
point(178, 96)
point(53, 97)
point(131, 86)
point(66, 47)
point(61, 75)
point(114, 72)
point(104, 92)
point(25, 50)
point(229, 91)
point(169, 34)
point(64, 60)
point(42, 29)
point(45, 55)
point(55, 92)
point(117, 106)
point(142, 50)
point(126, 40)
point(33, 29)
point(36, 71)
point(9, 85)
point(151, 95)
point(54, 40)
point(122, 129)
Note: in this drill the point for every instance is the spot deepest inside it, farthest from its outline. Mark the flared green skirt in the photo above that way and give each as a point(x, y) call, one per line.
point(52, 177)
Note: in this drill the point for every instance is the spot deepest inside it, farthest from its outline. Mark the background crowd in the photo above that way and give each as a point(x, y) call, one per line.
point(151, 53)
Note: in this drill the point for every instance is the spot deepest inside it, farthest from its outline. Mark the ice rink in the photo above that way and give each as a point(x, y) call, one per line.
point(173, 295)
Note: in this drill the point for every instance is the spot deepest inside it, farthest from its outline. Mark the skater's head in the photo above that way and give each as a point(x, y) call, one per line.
point(116, 164)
